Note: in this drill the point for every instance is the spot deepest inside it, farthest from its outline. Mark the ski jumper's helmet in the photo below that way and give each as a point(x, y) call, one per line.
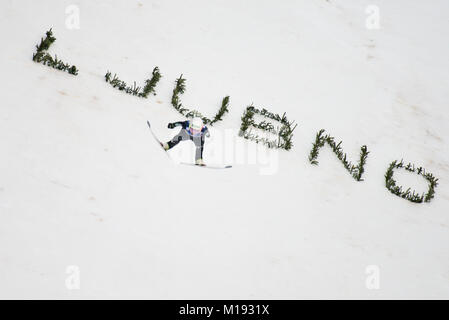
point(196, 125)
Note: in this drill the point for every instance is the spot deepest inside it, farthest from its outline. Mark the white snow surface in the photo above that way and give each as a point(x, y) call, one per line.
point(83, 183)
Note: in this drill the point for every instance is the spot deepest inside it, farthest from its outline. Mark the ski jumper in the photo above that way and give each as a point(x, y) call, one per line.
point(187, 134)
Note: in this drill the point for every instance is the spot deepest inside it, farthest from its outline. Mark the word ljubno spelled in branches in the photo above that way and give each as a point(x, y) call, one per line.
point(283, 132)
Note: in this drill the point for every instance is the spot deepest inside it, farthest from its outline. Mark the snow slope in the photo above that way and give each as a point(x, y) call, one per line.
point(83, 184)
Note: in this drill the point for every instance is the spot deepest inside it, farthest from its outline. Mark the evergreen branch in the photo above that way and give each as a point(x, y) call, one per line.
point(284, 134)
point(179, 89)
point(135, 90)
point(319, 142)
point(150, 85)
point(247, 120)
point(41, 55)
point(360, 169)
point(44, 44)
point(356, 171)
point(223, 109)
point(390, 183)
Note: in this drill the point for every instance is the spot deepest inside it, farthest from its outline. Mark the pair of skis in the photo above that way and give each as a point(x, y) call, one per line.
point(185, 163)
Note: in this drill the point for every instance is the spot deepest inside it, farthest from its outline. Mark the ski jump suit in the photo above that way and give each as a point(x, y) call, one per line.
point(186, 134)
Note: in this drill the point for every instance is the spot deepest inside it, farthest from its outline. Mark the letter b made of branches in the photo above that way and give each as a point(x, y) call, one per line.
point(283, 133)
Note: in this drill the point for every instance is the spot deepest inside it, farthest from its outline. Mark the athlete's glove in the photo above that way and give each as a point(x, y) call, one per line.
point(207, 134)
point(171, 125)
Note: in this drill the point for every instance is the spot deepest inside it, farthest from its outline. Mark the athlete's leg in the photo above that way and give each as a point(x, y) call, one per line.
point(181, 136)
point(199, 145)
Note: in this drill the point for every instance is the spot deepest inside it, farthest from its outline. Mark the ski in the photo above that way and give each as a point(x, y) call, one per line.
point(206, 166)
point(158, 141)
